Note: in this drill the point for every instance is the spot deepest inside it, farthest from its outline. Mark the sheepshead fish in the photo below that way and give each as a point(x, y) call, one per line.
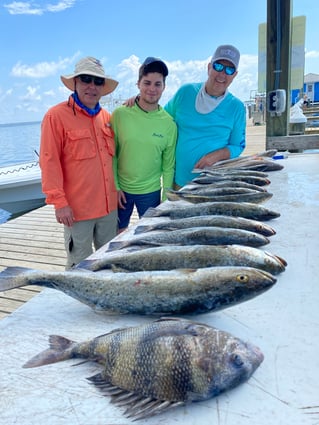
point(226, 195)
point(154, 367)
point(153, 292)
point(194, 236)
point(170, 257)
point(208, 220)
point(238, 209)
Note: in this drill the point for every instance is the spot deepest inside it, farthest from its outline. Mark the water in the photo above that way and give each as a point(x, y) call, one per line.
point(18, 143)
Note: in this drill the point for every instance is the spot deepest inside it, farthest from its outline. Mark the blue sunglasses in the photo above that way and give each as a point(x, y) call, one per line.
point(219, 67)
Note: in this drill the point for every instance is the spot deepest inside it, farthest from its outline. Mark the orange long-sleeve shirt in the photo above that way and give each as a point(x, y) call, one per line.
point(76, 155)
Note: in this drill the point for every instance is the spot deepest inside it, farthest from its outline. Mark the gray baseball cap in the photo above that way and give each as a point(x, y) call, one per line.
point(227, 52)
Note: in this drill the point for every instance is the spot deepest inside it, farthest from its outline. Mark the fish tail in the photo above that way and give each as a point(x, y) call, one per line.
point(13, 277)
point(60, 349)
point(172, 196)
point(142, 229)
point(152, 212)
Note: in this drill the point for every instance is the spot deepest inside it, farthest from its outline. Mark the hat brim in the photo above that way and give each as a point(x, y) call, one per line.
point(109, 85)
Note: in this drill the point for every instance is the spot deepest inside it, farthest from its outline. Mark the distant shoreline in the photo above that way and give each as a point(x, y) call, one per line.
point(14, 124)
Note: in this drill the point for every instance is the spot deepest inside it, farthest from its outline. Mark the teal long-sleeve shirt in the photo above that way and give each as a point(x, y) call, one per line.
point(145, 149)
point(200, 134)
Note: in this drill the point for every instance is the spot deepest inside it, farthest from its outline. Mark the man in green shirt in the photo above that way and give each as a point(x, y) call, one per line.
point(145, 138)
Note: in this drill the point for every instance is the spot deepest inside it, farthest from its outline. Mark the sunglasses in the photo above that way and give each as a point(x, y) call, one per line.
point(219, 67)
point(87, 79)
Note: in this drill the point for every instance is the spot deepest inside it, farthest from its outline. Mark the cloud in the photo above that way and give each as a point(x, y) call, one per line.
point(42, 69)
point(181, 72)
point(32, 94)
point(30, 8)
point(312, 54)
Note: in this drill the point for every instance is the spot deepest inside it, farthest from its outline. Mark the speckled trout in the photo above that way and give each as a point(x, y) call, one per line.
point(238, 209)
point(194, 236)
point(221, 195)
point(154, 367)
point(170, 257)
point(208, 220)
point(152, 292)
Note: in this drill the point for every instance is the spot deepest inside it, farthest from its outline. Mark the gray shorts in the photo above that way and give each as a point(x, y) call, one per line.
point(83, 235)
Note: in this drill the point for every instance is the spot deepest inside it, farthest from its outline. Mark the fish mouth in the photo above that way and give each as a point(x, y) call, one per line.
point(268, 278)
point(256, 351)
point(278, 259)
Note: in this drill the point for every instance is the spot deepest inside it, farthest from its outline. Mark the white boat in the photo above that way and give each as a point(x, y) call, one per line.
point(20, 188)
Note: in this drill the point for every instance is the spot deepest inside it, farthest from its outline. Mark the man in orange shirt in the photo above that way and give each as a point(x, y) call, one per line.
point(76, 156)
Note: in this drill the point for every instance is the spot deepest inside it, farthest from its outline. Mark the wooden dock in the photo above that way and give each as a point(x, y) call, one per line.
point(35, 240)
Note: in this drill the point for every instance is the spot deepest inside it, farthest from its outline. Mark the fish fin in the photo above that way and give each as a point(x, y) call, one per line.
point(172, 196)
point(187, 271)
point(137, 405)
point(116, 245)
point(59, 350)
point(8, 278)
point(152, 212)
point(142, 229)
point(86, 264)
point(119, 269)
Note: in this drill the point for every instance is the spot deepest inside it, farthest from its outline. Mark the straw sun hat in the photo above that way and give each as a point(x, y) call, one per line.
point(89, 66)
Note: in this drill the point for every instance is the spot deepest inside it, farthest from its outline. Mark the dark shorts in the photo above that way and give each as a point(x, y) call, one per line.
point(142, 203)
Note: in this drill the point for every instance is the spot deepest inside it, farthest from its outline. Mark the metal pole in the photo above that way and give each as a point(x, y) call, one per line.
point(278, 65)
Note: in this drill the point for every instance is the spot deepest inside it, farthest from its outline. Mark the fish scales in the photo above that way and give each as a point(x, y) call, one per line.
point(231, 171)
point(239, 195)
point(190, 256)
point(152, 292)
point(200, 188)
point(161, 364)
point(209, 220)
point(237, 209)
point(194, 236)
point(212, 178)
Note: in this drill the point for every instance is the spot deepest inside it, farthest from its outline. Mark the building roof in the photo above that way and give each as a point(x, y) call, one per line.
point(311, 78)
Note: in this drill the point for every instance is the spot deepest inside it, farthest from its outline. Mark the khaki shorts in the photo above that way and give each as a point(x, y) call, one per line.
point(83, 235)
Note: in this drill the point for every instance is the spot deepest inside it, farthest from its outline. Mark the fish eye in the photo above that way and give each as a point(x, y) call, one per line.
point(242, 278)
point(237, 360)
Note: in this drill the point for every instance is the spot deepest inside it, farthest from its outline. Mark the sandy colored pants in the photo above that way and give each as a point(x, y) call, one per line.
point(83, 235)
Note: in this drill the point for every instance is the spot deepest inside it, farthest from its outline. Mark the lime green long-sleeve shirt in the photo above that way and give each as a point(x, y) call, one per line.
point(145, 149)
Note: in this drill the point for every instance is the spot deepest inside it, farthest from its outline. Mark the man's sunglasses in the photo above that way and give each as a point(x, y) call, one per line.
point(219, 67)
point(87, 79)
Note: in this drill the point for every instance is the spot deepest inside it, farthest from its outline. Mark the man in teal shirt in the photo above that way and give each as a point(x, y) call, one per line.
point(211, 121)
point(145, 138)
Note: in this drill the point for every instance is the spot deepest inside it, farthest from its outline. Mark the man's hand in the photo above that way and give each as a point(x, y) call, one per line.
point(130, 101)
point(64, 216)
point(212, 157)
point(121, 199)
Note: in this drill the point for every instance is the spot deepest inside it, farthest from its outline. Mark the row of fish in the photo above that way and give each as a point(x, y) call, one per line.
point(195, 258)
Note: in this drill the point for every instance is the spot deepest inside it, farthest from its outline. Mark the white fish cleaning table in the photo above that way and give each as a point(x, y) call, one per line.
point(283, 322)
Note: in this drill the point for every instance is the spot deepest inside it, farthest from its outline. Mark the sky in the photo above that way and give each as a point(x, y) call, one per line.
point(40, 40)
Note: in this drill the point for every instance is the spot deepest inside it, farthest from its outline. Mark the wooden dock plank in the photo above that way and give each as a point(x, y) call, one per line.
point(34, 240)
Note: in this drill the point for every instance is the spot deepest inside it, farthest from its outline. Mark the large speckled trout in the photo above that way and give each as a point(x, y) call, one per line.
point(237, 209)
point(169, 257)
point(163, 364)
point(208, 220)
point(153, 292)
